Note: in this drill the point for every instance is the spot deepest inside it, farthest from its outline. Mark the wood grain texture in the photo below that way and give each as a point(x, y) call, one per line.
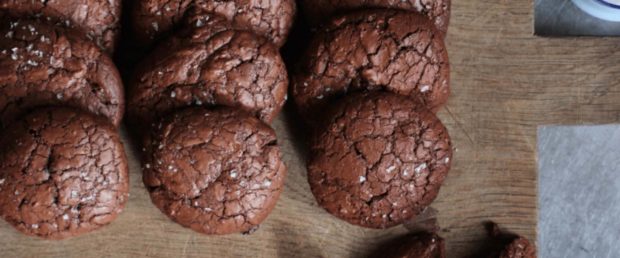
point(505, 83)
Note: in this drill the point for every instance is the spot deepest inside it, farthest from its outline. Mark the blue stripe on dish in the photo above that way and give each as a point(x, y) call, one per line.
point(615, 6)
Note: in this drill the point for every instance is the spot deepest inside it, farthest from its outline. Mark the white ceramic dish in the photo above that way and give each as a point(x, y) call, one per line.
point(603, 9)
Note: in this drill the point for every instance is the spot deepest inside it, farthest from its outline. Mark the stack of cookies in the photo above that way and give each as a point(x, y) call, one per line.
point(63, 169)
point(203, 99)
point(369, 84)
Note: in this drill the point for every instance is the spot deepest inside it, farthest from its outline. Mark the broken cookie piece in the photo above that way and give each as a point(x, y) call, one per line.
point(519, 248)
point(420, 245)
point(63, 173)
point(508, 245)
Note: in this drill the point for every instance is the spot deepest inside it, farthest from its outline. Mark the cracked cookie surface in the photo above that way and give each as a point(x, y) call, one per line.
point(43, 65)
point(386, 50)
point(378, 160)
point(215, 171)
point(209, 65)
point(152, 19)
point(62, 173)
point(198, 27)
point(436, 10)
point(99, 19)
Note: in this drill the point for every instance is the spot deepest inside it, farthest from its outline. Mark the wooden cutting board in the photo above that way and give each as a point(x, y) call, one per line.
point(505, 83)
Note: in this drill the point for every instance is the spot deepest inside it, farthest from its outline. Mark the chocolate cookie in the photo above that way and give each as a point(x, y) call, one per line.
point(272, 19)
point(504, 244)
point(379, 160)
point(47, 65)
point(519, 248)
point(231, 68)
point(198, 27)
point(423, 245)
point(214, 171)
point(99, 19)
point(62, 173)
point(386, 50)
point(437, 10)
